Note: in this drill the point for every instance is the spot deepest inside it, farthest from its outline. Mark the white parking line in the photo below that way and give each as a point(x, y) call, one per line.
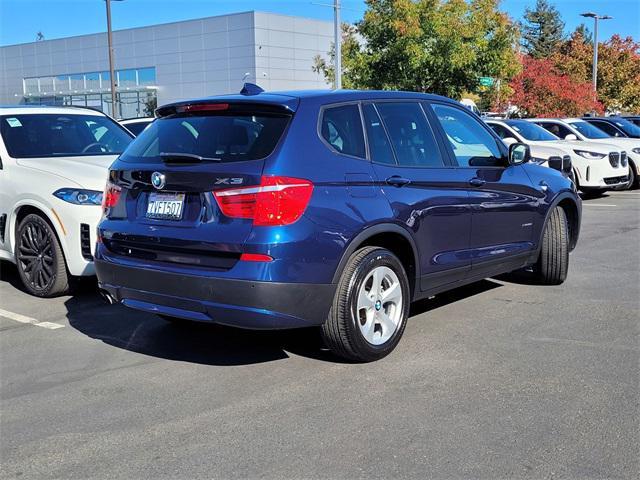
point(24, 319)
point(598, 205)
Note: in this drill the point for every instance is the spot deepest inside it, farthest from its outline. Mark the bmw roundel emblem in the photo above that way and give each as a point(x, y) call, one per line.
point(158, 180)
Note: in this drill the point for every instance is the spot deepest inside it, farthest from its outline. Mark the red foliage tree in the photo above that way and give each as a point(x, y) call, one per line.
point(541, 90)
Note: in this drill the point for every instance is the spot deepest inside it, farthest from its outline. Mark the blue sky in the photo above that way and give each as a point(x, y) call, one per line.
point(20, 20)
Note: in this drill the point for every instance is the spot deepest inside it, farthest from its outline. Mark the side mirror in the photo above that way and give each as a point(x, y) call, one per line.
point(509, 141)
point(571, 136)
point(519, 153)
point(562, 164)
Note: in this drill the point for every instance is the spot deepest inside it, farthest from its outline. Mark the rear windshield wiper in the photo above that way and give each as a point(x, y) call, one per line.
point(185, 158)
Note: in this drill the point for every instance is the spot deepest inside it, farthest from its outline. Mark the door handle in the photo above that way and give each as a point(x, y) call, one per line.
point(477, 182)
point(398, 181)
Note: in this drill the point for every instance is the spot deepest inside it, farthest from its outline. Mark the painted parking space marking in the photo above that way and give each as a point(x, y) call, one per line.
point(24, 319)
point(598, 205)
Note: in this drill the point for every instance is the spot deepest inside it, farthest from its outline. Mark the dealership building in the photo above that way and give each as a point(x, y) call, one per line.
point(168, 62)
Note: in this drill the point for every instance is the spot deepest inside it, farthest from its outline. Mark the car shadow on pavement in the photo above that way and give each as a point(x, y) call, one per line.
point(9, 274)
point(210, 344)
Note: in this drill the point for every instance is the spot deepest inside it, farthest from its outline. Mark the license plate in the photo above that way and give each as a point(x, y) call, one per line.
point(165, 206)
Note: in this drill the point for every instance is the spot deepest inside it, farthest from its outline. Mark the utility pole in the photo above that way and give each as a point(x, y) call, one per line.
point(594, 72)
point(115, 110)
point(337, 39)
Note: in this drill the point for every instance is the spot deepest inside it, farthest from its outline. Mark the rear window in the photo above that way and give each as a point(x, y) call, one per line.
point(223, 137)
point(53, 135)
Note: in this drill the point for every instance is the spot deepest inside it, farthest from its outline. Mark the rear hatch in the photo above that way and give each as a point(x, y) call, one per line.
point(160, 204)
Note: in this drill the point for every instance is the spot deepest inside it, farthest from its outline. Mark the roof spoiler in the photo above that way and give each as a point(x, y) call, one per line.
point(251, 89)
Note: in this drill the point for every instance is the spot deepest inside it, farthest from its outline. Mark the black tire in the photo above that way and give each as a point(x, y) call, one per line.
point(553, 262)
point(341, 333)
point(593, 193)
point(39, 258)
point(633, 179)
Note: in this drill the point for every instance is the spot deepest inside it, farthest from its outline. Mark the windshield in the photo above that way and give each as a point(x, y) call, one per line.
point(531, 131)
point(588, 130)
point(627, 127)
point(223, 137)
point(60, 135)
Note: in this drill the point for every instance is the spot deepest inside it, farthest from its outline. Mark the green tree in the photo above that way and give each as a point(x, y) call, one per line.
point(438, 46)
point(542, 30)
point(584, 32)
point(618, 69)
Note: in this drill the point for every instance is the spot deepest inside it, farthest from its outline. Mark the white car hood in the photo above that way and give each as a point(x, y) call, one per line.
point(88, 172)
point(570, 145)
point(621, 143)
point(544, 151)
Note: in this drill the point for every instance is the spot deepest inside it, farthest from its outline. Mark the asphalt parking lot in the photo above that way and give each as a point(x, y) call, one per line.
point(495, 380)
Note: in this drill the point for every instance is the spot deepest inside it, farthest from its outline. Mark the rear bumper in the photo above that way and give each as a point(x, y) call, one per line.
point(239, 303)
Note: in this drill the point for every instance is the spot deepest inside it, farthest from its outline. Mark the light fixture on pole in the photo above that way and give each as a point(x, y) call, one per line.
point(595, 17)
point(115, 110)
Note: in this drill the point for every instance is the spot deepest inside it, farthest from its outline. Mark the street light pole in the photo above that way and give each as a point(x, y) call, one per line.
point(337, 34)
point(115, 110)
point(594, 71)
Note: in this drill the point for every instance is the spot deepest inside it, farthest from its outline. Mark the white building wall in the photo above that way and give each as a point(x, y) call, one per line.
point(192, 58)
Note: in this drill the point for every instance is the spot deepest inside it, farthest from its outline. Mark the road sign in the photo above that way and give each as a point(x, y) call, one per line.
point(486, 81)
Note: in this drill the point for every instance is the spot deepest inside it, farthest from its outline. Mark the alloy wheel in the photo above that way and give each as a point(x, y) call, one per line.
point(36, 257)
point(379, 305)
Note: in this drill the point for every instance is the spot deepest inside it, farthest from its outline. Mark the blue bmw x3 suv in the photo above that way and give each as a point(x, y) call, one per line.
point(324, 208)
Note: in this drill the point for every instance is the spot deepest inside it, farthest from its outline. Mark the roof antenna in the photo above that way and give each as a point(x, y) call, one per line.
point(251, 88)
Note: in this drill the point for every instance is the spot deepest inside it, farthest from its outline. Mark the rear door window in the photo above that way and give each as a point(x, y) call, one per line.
point(411, 136)
point(222, 137)
point(607, 128)
point(341, 128)
point(471, 142)
point(558, 130)
point(379, 145)
point(501, 131)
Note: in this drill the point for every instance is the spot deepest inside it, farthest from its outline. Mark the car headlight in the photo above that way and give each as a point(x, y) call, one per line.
point(636, 150)
point(79, 196)
point(590, 155)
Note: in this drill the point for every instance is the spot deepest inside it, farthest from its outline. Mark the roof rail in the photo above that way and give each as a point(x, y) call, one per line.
point(251, 89)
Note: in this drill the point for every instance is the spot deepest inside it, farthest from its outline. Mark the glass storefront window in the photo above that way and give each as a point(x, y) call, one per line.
point(47, 85)
point(92, 81)
point(147, 76)
point(62, 83)
point(31, 85)
point(126, 78)
point(106, 79)
point(77, 82)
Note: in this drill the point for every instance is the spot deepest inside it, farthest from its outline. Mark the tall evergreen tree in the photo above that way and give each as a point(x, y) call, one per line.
point(542, 30)
point(584, 32)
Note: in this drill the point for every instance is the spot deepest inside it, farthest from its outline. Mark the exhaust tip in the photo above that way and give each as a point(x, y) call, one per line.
point(107, 297)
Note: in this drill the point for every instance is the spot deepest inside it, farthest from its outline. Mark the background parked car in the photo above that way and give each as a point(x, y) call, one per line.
point(576, 129)
point(622, 128)
point(53, 167)
point(136, 125)
point(589, 170)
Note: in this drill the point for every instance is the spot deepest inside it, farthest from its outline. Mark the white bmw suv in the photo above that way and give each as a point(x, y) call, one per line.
point(53, 167)
point(578, 132)
point(597, 166)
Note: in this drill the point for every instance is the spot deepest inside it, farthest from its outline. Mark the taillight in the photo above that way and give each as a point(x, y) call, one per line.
point(276, 201)
point(255, 257)
point(111, 196)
